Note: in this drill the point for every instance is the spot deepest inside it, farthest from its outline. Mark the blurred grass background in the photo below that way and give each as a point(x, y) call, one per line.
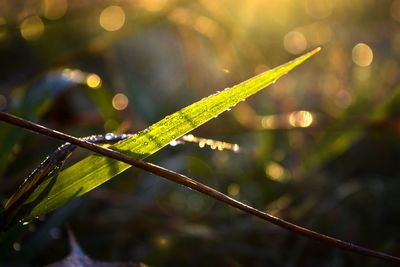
point(319, 148)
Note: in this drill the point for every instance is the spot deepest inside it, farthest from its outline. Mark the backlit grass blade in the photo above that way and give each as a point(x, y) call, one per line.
point(95, 170)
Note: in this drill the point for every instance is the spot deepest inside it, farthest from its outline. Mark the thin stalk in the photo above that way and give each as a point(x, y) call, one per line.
point(193, 184)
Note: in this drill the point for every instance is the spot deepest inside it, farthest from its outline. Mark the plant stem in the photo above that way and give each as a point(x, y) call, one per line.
point(193, 184)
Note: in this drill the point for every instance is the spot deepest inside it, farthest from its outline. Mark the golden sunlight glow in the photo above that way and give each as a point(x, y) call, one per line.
point(120, 101)
point(54, 9)
point(319, 9)
point(362, 55)
point(93, 81)
point(295, 42)
point(32, 28)
point(233, 190)
point(300, 118)
point(112, 18)
point(275, 171)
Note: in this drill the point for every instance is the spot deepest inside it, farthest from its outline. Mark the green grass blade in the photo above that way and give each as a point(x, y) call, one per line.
point(95, 170)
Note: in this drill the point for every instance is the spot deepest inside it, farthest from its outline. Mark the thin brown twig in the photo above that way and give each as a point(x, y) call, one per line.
point(188, 182)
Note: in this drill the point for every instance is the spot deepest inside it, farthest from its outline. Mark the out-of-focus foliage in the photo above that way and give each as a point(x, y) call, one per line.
point(319, 148)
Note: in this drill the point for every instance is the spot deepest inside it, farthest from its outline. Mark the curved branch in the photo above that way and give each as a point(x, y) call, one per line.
point(188, 182)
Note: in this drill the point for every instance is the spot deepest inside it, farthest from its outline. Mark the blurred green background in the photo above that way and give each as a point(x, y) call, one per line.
point(319, 148)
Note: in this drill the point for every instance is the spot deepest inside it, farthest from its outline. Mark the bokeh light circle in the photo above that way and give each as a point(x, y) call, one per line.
point(32, 28)
point(120, 101)
point(295, 42)
point(362, 55)
point(54, 9)
point(112, 18)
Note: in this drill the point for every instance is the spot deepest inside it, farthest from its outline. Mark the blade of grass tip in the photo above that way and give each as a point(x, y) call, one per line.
point(188, 182)
point(95, 170)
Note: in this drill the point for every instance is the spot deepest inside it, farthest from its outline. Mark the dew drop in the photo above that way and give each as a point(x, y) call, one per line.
point(145, 143)
point(236, 148)
point(109, 136)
